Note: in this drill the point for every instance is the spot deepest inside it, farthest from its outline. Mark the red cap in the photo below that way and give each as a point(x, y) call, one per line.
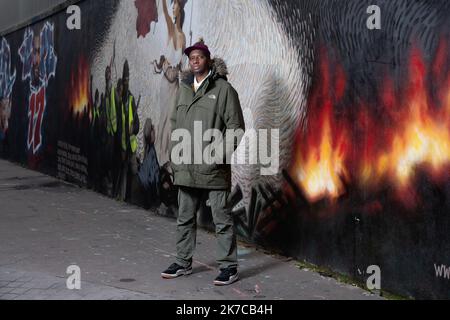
point(200, 45)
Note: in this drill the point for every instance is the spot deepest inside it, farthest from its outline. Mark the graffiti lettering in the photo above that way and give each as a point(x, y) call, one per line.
point(7, 79)
point(35, 114)
point(39, 66)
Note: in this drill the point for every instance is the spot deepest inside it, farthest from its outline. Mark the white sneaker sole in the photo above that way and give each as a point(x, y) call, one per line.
point(225, 283)
point(179, 273)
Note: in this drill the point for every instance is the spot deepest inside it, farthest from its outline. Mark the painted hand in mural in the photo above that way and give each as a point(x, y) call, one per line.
point(147, 13)
point(175, 23)
point(164, 66)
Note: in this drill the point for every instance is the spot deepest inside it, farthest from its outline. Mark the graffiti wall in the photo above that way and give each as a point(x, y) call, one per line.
point(363, 115)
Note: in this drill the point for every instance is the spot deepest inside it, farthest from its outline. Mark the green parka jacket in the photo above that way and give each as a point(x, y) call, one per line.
point(215, 106)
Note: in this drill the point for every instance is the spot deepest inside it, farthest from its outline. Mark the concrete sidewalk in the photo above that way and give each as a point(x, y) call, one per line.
point(47, 225)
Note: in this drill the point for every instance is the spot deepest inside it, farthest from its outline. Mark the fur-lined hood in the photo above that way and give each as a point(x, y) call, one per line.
point(219, 70)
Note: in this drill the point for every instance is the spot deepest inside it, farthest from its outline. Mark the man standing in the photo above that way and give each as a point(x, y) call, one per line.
point(129, 131)
point(111, 104)
point(208, 100)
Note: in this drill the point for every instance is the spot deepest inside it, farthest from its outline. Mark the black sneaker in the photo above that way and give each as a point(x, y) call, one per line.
point(175, 270)
point(227, 276)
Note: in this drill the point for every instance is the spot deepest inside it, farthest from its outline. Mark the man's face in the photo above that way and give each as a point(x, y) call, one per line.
point(198, 62)
point(36, 56)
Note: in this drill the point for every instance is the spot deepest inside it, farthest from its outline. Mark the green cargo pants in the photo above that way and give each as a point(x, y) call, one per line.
point(189, 201)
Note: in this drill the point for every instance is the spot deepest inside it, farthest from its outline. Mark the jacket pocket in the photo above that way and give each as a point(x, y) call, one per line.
point(181, 116)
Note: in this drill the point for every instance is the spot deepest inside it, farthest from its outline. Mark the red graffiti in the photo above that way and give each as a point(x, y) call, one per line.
point(147, 12)
point(35, 114)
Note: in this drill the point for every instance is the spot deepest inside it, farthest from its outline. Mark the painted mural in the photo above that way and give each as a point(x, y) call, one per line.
point(363, 116)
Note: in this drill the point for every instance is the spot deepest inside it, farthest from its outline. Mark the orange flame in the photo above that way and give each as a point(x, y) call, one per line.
point(425, 141)
point(412, 130)
point(79, 87)
point(321, 169)
point(422, 138)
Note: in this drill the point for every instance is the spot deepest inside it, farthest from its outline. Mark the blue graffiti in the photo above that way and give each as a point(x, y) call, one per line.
point(45, 59)
point(7, 78)
point(39, 60)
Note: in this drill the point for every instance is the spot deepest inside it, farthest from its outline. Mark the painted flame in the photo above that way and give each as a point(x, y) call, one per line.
point(80, 87)
point(412, 130)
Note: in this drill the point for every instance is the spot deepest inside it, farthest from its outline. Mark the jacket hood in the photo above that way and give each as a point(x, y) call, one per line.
point(219, 70)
